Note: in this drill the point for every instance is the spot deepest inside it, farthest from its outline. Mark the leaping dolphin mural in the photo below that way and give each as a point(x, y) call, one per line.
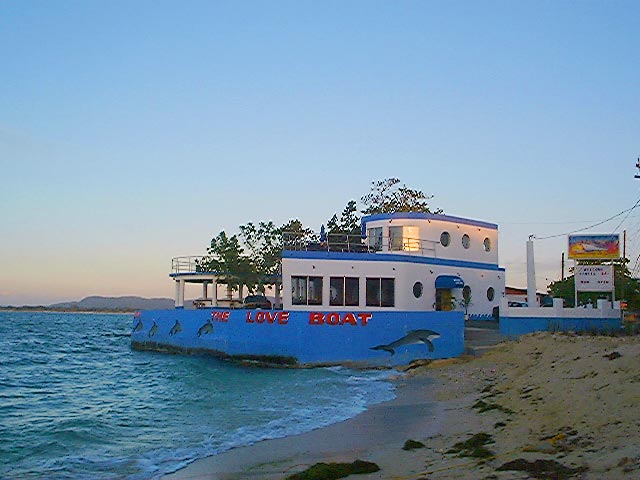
point(411, 338)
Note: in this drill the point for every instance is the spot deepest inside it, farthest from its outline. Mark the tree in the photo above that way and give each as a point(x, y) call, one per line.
point(264, 245)
point(225, 256)
point(627, 288)
point(389, 196)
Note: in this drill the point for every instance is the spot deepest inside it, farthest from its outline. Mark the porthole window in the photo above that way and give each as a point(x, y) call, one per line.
point(490, 294)
point(487, 244)
point(417, 289)
point(466, 241)
point(445, 239)
point(466, 293)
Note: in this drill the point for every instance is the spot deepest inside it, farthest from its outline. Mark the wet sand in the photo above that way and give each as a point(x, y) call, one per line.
point(571, 403)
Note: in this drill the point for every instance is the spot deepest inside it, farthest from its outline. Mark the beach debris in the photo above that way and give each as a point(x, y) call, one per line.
point(612, 355)
point(330, 471)
point(542, 469)
point(474, 446)
point(483, 406)
point(412, 445)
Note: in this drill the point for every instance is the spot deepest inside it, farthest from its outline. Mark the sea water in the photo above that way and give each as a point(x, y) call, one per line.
point(77, 402)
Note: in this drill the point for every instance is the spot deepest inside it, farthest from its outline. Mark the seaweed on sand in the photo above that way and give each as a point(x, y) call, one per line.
point(483, 406)
point(330, 471)
point(412, 445)
point(542, 469)
point(474, 446)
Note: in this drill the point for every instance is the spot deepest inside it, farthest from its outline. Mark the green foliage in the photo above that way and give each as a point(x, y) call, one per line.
point(388, 196)
point(264, 245)
point(627, 288)
point(225, 256)
point(252, 259)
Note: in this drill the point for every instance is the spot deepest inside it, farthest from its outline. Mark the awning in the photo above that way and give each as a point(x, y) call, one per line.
point(449, 281)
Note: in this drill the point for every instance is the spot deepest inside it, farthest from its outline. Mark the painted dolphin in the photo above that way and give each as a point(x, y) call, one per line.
point(411, 338)
point(206, 328)
point(154, 329)
point(177, 328)
point(139, 326)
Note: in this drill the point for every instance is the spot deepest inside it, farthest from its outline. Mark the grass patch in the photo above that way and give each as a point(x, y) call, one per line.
point(483, 406)
point(330, 471)
point(542, 469)
point(412, 445)
point(474, 446)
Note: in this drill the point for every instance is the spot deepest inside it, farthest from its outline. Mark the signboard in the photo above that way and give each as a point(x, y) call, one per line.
point(594, 247)
point(594, 278)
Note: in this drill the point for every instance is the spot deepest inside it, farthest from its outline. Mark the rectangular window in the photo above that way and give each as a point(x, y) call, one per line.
point(352, 291)
point(380, 292)
point(388, 292)
point(306, 290)
point(344, 291)
point(315, 291)
point(395, 238)
point(404, 238)
point(299, 290)
point(375, 238)
point(336, 289)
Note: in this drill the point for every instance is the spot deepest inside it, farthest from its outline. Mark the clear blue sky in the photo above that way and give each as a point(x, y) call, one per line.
point(131, 132)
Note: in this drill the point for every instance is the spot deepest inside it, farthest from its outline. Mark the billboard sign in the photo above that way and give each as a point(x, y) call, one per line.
point(594, 278)
point(594, 247)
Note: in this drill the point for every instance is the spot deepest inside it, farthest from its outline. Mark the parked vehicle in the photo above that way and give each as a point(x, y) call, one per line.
point(257, 301)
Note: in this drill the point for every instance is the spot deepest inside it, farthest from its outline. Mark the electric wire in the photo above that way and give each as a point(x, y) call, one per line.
point(628, 210)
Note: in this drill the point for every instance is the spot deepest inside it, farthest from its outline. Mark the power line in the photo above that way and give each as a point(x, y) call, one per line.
point(628, 210)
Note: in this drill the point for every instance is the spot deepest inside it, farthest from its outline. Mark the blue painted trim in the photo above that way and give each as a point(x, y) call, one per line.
point(428, 216)
point(449, 281)
point(383, 257)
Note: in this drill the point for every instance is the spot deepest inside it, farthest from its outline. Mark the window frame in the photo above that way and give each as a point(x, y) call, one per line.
point(307, 284)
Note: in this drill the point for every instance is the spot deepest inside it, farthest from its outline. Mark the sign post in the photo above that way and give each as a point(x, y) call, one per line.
point(598, 277)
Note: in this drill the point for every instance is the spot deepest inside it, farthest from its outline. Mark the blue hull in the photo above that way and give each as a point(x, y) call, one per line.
point(303, 338)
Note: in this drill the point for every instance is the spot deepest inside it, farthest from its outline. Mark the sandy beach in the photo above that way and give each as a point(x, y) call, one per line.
point(544, 406)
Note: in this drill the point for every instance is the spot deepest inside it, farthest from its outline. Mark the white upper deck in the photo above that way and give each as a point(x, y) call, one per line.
point(430, 235)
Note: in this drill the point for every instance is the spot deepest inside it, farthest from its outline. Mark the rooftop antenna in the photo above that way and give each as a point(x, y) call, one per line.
point(638, 167)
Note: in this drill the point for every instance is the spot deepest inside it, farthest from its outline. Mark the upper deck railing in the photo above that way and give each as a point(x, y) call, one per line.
point(295, 241)
point(355, 243)
point(187, 264)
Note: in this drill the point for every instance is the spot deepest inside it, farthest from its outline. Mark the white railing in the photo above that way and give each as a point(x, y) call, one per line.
point(355, 243)
point(186, 264)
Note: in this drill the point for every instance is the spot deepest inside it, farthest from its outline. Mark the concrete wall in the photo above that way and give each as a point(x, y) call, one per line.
point(520, 321)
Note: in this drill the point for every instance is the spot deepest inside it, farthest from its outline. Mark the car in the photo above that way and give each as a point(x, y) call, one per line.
point(518, 304)
point(257, 301)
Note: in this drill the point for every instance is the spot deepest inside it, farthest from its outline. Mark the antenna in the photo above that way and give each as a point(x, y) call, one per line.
point(638, 167)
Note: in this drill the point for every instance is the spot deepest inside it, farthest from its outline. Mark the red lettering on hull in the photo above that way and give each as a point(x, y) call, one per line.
point(264, 316)
point(336, 318)
point(220, 316)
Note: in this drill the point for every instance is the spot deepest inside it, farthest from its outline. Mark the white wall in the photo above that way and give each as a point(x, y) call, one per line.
point(405, 274)
point(432, 229)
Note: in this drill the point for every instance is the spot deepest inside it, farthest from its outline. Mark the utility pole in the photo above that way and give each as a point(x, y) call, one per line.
point(562, 268)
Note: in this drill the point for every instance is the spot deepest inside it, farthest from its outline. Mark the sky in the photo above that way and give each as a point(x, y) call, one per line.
point(134, 132)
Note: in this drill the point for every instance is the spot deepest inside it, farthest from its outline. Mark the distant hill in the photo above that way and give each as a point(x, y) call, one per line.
point(115, 303)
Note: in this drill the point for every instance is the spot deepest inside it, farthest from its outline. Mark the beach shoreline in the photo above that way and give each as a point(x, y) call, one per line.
point(560, 402)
